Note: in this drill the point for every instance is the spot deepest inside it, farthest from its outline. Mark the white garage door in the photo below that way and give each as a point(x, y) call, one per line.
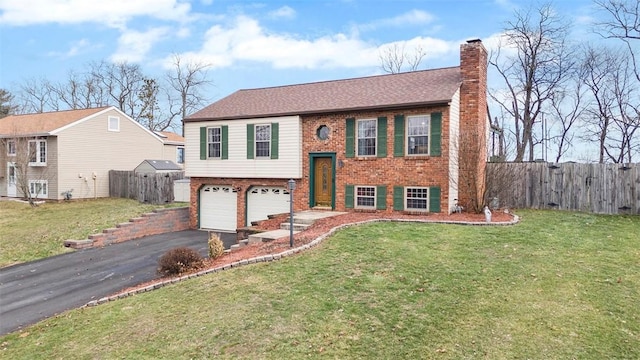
point(218, 207)
point(266, 200)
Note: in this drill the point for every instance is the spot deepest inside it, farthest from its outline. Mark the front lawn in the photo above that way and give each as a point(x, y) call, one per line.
point(30, 233)
point(556, 286)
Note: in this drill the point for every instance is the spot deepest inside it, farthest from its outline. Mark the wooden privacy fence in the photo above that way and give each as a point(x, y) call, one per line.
point(146, 188)
point(597, 188)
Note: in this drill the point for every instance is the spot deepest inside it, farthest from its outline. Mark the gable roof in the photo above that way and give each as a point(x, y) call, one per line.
point(43, 123)
point(162, 165)
point(374, 92)
point(170, 137)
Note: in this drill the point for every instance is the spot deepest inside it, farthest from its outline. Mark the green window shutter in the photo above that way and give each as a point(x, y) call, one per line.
point(274, 140)
point(348, 196)
point(203, 143)
point(351, 138)
point(382, 137)
point(398, 198)
point(381, 197)
point(250, 140)
point(225, 142)
point(434, 199)
point(436, 134)
point(398, 135)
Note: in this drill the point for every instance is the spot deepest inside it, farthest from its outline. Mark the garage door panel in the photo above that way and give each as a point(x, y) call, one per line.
point(218, 207)
point(266, 200)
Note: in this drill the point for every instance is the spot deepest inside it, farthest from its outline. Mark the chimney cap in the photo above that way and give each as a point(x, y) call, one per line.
point(474, 41)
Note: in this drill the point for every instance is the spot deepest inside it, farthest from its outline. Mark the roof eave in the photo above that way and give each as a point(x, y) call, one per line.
point(327, 111)
point(10, 136)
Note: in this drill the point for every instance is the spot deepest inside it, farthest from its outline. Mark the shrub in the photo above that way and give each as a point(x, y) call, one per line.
point(179, 260)
point(216, 248)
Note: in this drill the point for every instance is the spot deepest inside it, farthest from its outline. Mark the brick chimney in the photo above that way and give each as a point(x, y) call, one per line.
point(473, 124)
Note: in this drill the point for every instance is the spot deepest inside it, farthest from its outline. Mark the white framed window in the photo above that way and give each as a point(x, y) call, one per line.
point(418, 134)
point(38, 188)
point(214, 142)
point(263, 141)
point(37, 152)
point(114, 123)
point(367, 132)
point(11, 148)
point(365, 197)
point(180, 155)
point(416, 198)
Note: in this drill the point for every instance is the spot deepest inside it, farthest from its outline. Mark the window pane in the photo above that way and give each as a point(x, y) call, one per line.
point(418, 135)
point(214, 140)
point(365, 196)
point(417, 198)
point(367, 130)
point(263, 132)
point(263, 140)
point(262, 149)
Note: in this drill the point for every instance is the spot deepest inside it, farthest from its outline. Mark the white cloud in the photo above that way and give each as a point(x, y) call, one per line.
point(134, 45)
point(76, 48)
point(284, 12)
point(114, 13)
point(413, 17)
point(246, 40)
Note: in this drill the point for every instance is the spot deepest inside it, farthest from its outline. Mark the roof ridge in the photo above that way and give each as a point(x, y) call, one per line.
point(349, 79)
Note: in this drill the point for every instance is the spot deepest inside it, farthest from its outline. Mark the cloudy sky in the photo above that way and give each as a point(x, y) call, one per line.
point(247, 44)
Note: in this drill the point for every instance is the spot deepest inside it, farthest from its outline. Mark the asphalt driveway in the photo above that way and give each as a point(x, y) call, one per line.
point(37, 290)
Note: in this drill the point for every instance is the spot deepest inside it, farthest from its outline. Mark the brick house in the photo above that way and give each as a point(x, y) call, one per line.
point(388, 143)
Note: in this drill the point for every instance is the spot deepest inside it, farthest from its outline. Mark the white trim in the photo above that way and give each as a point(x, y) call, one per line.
point(375, 138)
point(9, 148)
point(356, 197)
point(44, 188)
point(213, 142)
point(38, 151)
point(406, 190)
point(255, 142)
point(428, 135)
point(103, 111)
point(113, 120)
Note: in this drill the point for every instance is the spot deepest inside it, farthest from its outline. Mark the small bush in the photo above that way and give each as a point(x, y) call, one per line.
point(216, 247)
point(179, 260)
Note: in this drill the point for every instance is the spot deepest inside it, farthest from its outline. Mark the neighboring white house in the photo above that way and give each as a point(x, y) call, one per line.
point(73, 151)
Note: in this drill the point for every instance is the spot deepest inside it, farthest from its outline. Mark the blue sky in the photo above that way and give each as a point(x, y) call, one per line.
point(248, 43)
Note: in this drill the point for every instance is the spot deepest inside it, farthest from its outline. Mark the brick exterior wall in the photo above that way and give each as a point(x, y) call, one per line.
point(157, 222)
point(473, 123)
point(390, 171)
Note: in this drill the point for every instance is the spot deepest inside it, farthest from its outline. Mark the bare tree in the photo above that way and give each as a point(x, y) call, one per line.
point(565, 109)
point(80, 91)
point(623, 23)
point(122, 82)
point(539, 66)
point(186, 83)
point(614, 113)
point(25, 157)
point(395, 59)
point(36, 96)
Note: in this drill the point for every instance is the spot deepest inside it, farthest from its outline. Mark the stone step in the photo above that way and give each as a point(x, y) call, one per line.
point(296, 227)
point(268, 236)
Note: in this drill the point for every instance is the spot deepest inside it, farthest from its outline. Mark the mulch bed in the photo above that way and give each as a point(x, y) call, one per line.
point(323, 226)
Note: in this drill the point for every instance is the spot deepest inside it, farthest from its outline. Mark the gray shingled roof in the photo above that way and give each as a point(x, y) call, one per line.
point(374, 92)
point(163, 165)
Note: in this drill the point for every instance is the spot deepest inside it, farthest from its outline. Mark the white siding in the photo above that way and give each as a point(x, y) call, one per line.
point(288, 164)
point(454, 145)
point(88, 148)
